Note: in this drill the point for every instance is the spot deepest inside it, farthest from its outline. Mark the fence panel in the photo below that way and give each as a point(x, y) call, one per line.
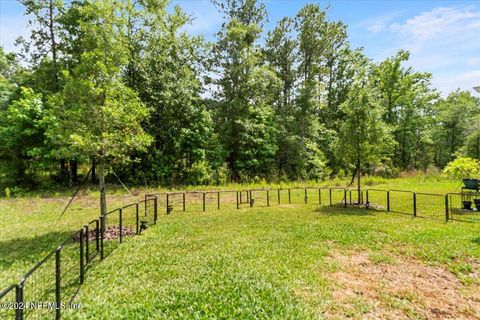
point(178, 202)
point(228, 199)
point(39, 286)
point(193, 201)
point(212, 201)
point(273, 195)
point(259, 197)
point(311, 195)
point(244, 197)
point(337, 197)
point(401, 201)
point(429, 205)
point(377, 199)
point(110, 231)
point(73, 263)
point(352, 195)
point(296, 195)
point(7, 299)
point(458, 210)
point(131, 219)
point(92, 240)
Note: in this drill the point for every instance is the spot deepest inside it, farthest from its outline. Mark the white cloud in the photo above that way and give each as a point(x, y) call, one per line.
point(439, 23)
point(444, 41)
point(379, 23)
point(473, 61)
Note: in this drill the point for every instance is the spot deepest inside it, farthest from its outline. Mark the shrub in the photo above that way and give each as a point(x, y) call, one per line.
point(463, 167)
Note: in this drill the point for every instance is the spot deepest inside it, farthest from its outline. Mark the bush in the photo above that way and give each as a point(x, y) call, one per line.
point(463, 167)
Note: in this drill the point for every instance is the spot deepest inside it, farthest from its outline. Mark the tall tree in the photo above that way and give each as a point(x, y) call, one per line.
point(408, 100)
point(364, 139)
point(244, 114)
point(95, 90)
point(455, 116)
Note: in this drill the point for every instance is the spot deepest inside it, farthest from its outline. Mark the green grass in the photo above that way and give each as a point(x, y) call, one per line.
point(248, 263)
point(259, 263)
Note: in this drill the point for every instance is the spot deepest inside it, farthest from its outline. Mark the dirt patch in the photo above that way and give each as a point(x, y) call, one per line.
point(397, 289)
point(111, 233)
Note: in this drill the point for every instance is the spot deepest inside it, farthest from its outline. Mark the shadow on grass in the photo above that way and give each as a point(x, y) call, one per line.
point(341, 211)
point(30, 250)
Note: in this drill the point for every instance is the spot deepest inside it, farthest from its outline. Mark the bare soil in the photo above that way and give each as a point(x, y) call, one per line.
point(400, 288)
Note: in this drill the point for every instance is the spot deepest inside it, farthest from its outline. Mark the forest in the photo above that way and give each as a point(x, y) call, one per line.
point(121, 90)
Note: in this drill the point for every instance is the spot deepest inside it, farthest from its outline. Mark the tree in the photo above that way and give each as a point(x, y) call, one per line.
point(244, 115)
point(22, 137)
point(408, 100)
point(94, 90)
point(454, 116)
point(364, 139)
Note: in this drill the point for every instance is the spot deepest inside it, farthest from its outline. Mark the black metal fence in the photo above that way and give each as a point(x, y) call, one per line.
point(57, 277)
point(52, 283)
point(443, 207)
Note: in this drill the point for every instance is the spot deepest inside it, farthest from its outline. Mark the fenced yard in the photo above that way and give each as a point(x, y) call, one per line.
point(58, 276)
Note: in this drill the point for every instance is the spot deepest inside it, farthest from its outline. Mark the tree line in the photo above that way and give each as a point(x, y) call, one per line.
point(123, 89)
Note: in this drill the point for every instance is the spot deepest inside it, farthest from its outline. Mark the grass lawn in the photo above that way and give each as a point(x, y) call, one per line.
point(292, 261)
point(289, 262)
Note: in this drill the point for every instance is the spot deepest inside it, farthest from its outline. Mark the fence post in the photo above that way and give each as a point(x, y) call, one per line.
point(102, 234)
point(155, 210)
point(237, 201)
point(97, 232)
point(57, 282)
point(218, 200)
point(319, 196)
point(87, 250)
point(289, 197)
point(345, 196)
point(145, 205)
point(120, 216)
point(268, 198)
point(251, 199)
point(168, 203)
point(446, 208)
point(136, 219)
point(183, 201)
point(330, 193)
point(350, 196)
point(203, 199)
point(19, 301)
point(81, 256)
point(388, 201)
point(414, 204)
point(368, 203)
point(306, 196)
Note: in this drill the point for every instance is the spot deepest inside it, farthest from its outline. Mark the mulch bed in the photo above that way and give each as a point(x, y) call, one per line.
point(111, 233)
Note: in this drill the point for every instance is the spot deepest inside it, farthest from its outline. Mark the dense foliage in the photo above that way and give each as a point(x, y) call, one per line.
point(124, 86)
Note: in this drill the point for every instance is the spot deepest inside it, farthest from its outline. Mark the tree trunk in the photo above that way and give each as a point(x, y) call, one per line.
point(94, 174)
point(359, 174)
point(63, 170)
point(74, 170)
point(101, 179)
point(53, 44)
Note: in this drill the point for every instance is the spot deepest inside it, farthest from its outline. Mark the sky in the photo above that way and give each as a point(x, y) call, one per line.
point(443, 37)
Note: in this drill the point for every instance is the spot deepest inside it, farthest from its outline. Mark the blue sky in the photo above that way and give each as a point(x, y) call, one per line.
point(442, 36)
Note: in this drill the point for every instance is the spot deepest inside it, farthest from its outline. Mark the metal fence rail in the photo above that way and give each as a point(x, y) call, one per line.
point(455, 211)
point(377, 199)
point(401, 201)
point(54, 281)
point(57, 277)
